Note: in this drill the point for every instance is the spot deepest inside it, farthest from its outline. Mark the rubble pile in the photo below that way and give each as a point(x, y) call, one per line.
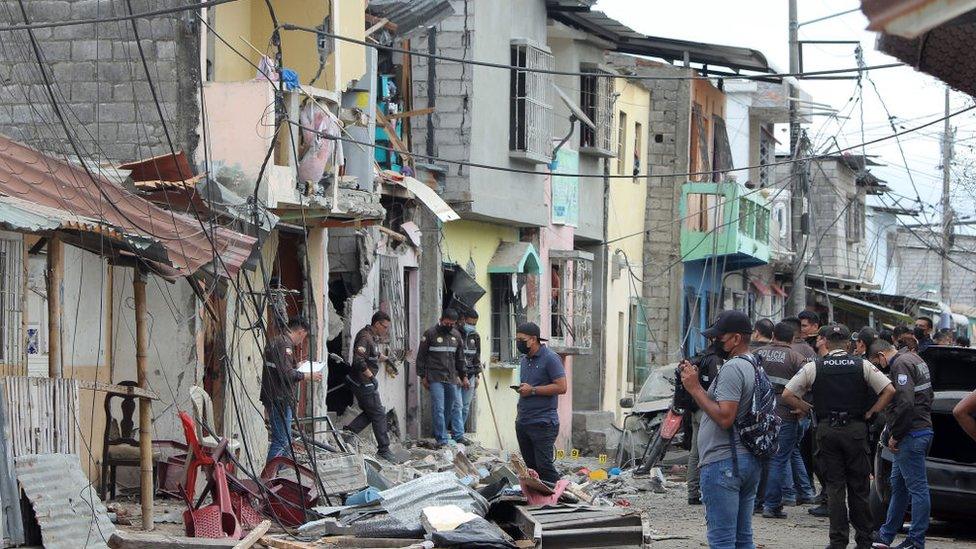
point(455, 496)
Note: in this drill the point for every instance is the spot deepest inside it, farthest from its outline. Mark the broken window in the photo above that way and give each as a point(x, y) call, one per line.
point(596, 93)
point(572, 300)
point(722, 151)
point(703, 212)
point(507, 311)
point(530, 115)
point(391, 302)
point(638, 149)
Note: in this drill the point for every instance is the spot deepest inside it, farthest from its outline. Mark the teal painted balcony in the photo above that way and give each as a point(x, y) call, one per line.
point(724, 221)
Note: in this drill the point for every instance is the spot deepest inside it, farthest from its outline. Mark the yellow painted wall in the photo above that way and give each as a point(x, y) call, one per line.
point(477, 241)
point(626, 217)
point(251, 20)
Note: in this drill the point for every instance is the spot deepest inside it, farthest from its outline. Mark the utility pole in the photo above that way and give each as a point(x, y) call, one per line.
point(799, 292)
point(947, 214)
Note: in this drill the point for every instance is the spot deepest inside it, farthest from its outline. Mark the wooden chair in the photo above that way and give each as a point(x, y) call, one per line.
point(119, 447)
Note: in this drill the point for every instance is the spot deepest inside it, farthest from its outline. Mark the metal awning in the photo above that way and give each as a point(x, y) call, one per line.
point(627, 40)
point(515, 257)
point(856, 303)
point(425, 194)
point(409, 16)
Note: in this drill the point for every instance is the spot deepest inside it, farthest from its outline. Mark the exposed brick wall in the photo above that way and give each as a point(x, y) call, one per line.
point(450, 124)
point(99, 80)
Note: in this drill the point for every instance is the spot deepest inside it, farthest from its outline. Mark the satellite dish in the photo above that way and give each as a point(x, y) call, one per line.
point(574, 108)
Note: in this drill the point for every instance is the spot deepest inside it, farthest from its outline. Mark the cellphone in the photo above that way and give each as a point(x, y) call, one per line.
point(514, 387)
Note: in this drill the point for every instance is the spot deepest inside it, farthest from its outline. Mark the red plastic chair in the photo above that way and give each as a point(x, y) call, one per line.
point(198, 457)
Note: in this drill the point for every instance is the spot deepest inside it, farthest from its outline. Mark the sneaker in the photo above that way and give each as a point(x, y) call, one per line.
point(694, 500)
point(907, 544)
point(880, 545)
point(388, 456)
point(806, 501)
point(819, 511)
point(777, 513)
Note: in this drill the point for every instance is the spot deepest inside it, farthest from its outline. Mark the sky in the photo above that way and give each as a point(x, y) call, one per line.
point(911, 97)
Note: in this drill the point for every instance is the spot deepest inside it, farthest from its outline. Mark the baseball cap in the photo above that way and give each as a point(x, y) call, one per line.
point(835, 332)
point(729, 322)
point(530, 329)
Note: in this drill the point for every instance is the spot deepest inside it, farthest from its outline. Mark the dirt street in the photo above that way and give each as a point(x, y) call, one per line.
point(670, 515)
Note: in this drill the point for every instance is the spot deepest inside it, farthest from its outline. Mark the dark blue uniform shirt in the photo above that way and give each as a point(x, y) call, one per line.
point(542, 369)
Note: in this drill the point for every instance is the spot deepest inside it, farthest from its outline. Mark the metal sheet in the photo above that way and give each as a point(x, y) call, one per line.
point(46, 181)
point(404, 503)
point(65, 503)
point(411, 15)
point(582, 526)
point(430, 199)
point(515, 257)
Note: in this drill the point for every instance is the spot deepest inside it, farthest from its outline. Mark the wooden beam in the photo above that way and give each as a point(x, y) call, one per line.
point(398, 145)
point(392, 234)
point(55, 277)
point(123, 390)
point(255, 535)
point(408, 114)
point(122, 539)
point(353, 541)
point(145, 405)
point(377, 26)
point(279, 543)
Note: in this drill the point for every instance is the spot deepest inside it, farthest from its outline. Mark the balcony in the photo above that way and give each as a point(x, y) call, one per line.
point(724, 221)
point(241, 129)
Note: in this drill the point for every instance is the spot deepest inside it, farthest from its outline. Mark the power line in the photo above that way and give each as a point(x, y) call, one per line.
point(70, 23)
point(597, 74)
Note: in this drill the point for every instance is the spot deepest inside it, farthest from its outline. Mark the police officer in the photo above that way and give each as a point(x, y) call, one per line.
point(909, 428)
point(472, 358)
point(362, 381)
point(840, 383)
point(781, 363)
point(442, 370)
point(708, 364)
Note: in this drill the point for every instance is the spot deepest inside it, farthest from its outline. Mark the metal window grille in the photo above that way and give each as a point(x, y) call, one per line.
point(766, 149)
point(530, 116)
point(391, 301)
point(596, 93)
point(506, 313)
point(639, 351)
point(572, 320)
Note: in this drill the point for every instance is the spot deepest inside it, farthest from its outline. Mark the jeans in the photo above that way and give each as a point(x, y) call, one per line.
point(729, 496)
point(537, 443)
point(909, 483)
point(279, 416)
point(781, 466)
point(467, 395)
point(799, 487)
point(445, 400)
point(694, 490)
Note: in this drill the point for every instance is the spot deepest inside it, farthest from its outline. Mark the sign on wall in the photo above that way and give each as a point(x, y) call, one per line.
point(565, 190)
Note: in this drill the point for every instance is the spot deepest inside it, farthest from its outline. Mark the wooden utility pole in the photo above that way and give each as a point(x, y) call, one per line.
point(145, 405)
point(798, 170)
point(947, 214)
point(55, 278)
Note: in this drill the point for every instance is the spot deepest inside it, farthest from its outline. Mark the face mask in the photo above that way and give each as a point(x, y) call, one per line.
point(445, 327)
point(721, 352)
point(469, 328)
point(522, 346)
point(919, 333)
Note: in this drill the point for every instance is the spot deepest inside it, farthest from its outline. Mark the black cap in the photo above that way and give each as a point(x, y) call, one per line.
point(729, 322)
point(530, 329)
point(835, 332)
point(867, 336)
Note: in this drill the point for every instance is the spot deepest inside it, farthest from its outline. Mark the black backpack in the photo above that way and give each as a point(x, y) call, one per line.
point(759, 427)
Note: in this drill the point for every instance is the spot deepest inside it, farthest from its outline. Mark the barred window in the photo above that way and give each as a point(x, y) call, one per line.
point(596, 94)
point(530, 115)
point(571, 325)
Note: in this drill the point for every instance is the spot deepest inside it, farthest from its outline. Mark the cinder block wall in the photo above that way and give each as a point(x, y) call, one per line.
point(98, 79)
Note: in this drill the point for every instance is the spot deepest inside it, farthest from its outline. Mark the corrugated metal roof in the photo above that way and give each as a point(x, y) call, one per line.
point(67, 507)
point(627, 40)
point(43, 180)
point(411, 15)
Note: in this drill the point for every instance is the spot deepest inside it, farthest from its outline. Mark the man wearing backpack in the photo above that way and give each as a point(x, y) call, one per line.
point(729, 471)
point(840, 383)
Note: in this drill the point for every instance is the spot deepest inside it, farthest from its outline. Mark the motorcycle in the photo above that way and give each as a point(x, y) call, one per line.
point(658, 416)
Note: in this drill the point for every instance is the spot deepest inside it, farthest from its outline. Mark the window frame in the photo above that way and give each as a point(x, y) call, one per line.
point(621, 143)
point(530, 102)
point(596, 101)
point(572, 310)
point(506, 313)
point(854, 225)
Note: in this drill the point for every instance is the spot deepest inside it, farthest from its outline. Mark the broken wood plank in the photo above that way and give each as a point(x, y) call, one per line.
point(408, 114)
point(370, 18)
point(255, 535)
point(392, 234)
point(116, 389)
point(279, 543)
point(141, 540)
point(377, 26)
point(398, 145)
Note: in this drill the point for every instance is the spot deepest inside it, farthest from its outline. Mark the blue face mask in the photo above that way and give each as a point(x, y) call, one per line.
point(469, 328)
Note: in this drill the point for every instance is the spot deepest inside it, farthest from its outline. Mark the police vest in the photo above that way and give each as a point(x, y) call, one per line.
point(840, 386)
